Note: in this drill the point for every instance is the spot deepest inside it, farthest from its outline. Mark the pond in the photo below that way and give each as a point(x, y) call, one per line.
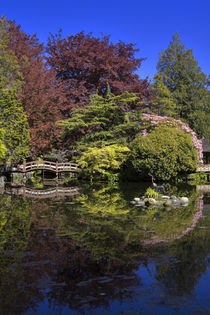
point(87, 250)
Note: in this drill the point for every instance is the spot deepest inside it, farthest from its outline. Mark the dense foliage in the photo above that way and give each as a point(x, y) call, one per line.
point(187, 84)
point(13, 121)
point(104, 161)
point(39, 94)
point(163, 102)
point(89, 86)
point(105, 121)
point(166, 153)
point(2, 146)
point(84, 65)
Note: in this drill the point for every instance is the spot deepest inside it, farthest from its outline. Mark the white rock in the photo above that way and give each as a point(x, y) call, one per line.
point(140, 204)
point(137, 199)
point(165, 197)
point(184, 199)
point(152, 200)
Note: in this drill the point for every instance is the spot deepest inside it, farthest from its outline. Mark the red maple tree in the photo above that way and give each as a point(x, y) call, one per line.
point(39, 95)
point(85, 65)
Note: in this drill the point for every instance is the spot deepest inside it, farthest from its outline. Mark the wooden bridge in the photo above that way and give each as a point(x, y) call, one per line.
point(204, 168)
point(47, 193)
point(48, 166)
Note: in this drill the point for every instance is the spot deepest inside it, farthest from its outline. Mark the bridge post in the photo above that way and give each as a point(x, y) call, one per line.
point(24, 166)
point(24, 172)
point(57, 171)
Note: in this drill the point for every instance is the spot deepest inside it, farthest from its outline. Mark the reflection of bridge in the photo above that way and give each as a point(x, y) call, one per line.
point(203, 188)
point(48, 166)
point(47, 193)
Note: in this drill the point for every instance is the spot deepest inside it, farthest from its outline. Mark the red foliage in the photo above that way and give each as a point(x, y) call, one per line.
point(85, 65)
point(39, 95)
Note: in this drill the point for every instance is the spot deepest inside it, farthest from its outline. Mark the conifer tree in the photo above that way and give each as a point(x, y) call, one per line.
point(163, 103)
point(14, 127)
point(105, 121)
point(13, 121)
point(186, 82)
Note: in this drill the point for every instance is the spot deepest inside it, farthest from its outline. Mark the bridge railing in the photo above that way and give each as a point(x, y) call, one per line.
point(48, 165)
point(204, 168)
point(47, 193)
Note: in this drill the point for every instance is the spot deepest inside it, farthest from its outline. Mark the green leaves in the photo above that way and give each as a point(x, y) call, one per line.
point(187, 84)
point(13, 121)
point(104, 161)
point(166, 152)
point(102, 123)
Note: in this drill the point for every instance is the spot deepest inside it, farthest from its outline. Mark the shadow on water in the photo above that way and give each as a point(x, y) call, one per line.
point(94, 251)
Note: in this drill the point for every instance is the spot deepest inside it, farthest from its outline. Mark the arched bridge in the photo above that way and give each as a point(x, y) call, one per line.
point(48, 166)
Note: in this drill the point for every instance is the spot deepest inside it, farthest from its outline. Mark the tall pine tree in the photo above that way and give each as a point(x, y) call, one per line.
point(188, 85)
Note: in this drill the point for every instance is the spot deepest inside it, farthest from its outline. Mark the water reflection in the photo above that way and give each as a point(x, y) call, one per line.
point(86, 251)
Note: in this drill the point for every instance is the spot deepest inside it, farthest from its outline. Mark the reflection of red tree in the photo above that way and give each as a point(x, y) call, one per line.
point(69, 273)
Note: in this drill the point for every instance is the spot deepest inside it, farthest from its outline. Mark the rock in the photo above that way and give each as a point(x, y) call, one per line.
point(165, 197)
point(184, 200)
point(152, 200)
point(140, 204)
point(137, 199)
point(173, 197)
point(133, 202)
point(175, 202)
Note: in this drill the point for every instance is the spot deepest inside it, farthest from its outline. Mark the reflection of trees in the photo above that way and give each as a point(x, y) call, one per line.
point(82, 252)
point(188, 260)
point(169, 225)
point(14, 235)
point(70, 275)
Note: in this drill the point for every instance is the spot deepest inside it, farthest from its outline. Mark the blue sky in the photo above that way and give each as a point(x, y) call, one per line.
point(149, 24)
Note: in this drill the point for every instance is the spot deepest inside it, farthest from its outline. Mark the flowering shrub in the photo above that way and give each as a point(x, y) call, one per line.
point(150, 122)
point(166, 152)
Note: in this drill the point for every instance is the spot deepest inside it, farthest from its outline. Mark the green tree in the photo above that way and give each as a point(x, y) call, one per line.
point(166, 153)
point(163, 103)
point(187, 84)
point(14, 122)
point(104, 161)
point(9, 69)
point(2, 146)
point(104, 122)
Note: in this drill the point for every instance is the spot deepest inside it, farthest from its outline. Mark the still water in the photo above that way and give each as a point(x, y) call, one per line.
point(87, 250)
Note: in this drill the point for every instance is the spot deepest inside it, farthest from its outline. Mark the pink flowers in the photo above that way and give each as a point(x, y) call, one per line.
point(155, 120)
point(144, 132)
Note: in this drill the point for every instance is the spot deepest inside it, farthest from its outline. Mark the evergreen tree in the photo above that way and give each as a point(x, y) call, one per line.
point(163, 103)
point(2, 146)
point(104, 122)
point(187, 84)
point(9, 72)
point(14, 123)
